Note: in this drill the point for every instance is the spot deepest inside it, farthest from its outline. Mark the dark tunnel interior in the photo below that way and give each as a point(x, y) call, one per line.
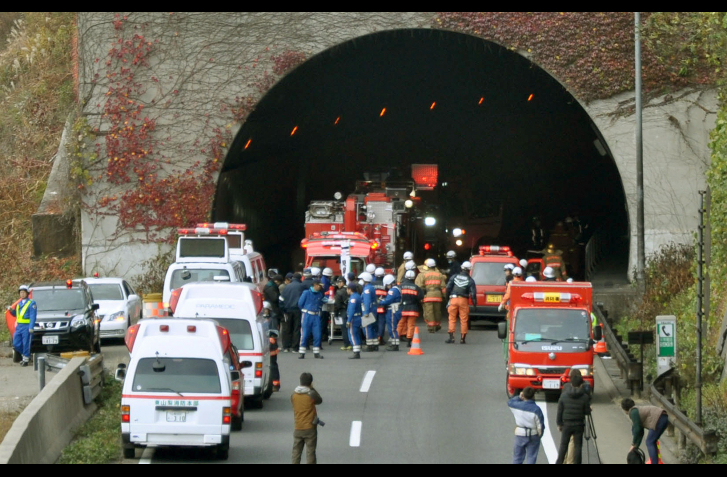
point(499, 127)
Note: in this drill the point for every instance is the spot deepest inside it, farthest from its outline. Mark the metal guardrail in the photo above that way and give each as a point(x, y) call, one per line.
point(706, 441)
point(92, 377)
point(630, 368)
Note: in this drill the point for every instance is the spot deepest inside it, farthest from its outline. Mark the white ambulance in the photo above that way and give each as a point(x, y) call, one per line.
point(238, 308)
point(200, 258)
point(178, 386)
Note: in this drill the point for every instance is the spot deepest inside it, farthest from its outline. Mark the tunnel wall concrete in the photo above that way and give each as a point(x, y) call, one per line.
point(215, 54)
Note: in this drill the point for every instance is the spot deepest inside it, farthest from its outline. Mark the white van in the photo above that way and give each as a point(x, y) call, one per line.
point(200, 259)
point(178, 386)
point(238, 308)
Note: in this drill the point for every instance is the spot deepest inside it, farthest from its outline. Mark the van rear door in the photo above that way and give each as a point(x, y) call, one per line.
point(178, 401)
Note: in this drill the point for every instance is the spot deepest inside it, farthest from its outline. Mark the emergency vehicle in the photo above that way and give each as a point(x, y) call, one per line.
point(489, 276)
point(238, 308)
point(549, 332)
point(323, 249)
point(179, 385)
point(203, 255)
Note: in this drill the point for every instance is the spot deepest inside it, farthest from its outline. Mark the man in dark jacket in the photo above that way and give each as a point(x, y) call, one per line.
point(573, 407)
point(461, 289)
point(339, 310)
point(271, 294)
point(291, 295)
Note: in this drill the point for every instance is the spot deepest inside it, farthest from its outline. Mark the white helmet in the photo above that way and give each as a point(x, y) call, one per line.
point(366, 277)
point(523, 263)
point(451, 254)
point(389, 279)
point(379, 272)
point(315, 271)
point(267, 305)
point(371, 268)
point(466, 266)
point(410, 265)
point(570, 280)
point(531, 279)
point(430, 262)
point(508, 266)
point(549, 272)
point(24, 288)
point(327, 272)
point(410, 274)
point(517, 271)
point(408, 256)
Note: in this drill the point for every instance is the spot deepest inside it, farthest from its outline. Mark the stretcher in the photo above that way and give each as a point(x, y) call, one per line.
point(335, 325)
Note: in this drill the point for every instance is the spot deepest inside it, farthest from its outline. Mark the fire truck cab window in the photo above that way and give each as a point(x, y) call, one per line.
point(484, 273)
point(555, 325)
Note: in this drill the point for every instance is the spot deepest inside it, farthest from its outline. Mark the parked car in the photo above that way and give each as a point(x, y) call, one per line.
point(119, 305)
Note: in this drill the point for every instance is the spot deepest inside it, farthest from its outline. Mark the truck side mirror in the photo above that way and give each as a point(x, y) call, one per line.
point(246, 364)
point(234, 375)
point(95, 306)
point(502, 330)
point(120, 373)
point(597, 333)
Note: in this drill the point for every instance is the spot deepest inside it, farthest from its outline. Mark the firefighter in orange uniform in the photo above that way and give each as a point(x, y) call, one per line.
point(434, 284)
point(517, 275)
point(401, 328)
point(411, 297)
point(554, 260)
point(460, 289)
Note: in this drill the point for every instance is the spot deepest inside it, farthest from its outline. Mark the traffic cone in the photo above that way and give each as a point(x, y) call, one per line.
point(658, 453)
point(415, 347)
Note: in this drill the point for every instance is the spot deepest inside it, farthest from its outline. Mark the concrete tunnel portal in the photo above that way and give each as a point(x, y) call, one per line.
point(499, 127)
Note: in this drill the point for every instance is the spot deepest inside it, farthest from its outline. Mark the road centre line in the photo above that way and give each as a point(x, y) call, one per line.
point(355, 439)
point(367, 380)
point(551, 451)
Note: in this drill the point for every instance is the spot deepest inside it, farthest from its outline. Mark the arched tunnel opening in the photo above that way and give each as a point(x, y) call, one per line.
point(504, 133)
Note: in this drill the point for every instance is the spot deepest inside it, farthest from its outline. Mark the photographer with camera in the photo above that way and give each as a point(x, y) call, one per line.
point(305, 399)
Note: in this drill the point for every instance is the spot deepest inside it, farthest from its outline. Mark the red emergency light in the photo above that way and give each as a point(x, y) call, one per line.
point(69, 283)
point(224, 338)
point(257, 299)
point(552, 297)
point(202, 231)
point(130, 337)
point(495, 250)
point(222, 225)
point(425, 175)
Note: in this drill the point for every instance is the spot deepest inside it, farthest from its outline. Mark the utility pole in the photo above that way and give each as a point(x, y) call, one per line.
point(700, 308)
point(640, 246)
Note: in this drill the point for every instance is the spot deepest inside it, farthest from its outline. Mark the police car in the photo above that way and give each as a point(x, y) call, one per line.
point(238, 308)
point(178, 387)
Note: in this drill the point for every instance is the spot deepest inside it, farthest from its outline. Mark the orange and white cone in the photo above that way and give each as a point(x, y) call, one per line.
point(416, 348)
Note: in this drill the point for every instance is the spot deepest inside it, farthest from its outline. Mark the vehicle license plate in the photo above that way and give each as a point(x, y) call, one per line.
point(50, 340)
point(551, 383)
point(494, 298)
point(176, 416)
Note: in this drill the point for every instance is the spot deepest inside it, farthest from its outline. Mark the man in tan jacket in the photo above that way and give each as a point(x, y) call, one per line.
point(305, 399)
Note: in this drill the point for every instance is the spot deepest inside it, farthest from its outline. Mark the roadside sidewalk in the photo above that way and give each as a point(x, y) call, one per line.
point(18, 385)
point(608, 378)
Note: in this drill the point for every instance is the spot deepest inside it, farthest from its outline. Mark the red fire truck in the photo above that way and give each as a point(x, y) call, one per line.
point(548, 334)
point(489, 276)
point(323, 249)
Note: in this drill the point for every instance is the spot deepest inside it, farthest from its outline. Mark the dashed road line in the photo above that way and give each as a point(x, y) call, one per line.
point(355, 439)
point(367, 380)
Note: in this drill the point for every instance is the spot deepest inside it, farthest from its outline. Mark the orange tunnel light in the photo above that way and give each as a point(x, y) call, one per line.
point(433, 104)
point(481, 100)
point(530, 97)
point(382, 112)
point(247, 144)
point(337, 119)
point(293, 131)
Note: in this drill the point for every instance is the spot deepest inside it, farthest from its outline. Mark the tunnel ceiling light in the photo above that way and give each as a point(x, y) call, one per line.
point(408, 203)
point(430, 221)
point(247, 144)
point(337, 119)
point(530, 97)
point(599, 147)
point(382, 112)
point(457, 232)
point(481, 100)
point(433, 104)
point(294, 130)
point(459, 243)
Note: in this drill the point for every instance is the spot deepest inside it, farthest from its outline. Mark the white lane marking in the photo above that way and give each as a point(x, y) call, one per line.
point(551, 451)
point(367, 380)
point(147, 455)
point(355, 439)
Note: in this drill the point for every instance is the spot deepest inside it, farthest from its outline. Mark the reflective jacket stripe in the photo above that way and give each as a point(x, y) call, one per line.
point(431, 300)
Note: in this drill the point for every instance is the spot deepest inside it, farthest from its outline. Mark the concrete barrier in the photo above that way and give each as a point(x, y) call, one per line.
point(46, 426)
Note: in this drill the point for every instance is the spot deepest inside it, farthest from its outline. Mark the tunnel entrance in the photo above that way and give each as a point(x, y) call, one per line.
point(501, 129)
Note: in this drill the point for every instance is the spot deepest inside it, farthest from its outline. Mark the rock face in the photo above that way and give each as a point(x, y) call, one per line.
point(165, 94)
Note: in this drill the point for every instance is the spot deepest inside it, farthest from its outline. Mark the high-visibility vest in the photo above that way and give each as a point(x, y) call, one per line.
point(20, 314)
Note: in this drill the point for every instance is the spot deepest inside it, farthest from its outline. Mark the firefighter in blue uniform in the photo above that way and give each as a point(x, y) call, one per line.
point(311, 303)
point(391, 304)
point(369, 308)
point(25, 313)
point(353, 313)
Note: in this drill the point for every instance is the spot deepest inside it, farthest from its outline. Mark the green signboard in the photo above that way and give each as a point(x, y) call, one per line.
point(667, 340)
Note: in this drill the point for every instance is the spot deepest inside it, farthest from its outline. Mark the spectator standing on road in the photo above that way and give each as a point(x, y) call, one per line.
point(573, 407)
point(288, 279)
point(570, 455)
point(339, 310)
point(529, 426)
point(291, 295)
point(305, 399)
point(646, 417)
point(25, 313)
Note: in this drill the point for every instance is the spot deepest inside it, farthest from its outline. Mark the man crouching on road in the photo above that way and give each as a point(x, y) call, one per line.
point(529, 426)
point(305, 399)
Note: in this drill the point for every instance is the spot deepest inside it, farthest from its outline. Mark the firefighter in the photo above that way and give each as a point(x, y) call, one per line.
point(454, 266)
point(549, 275)
point(460, 289)
point(402, 329)
point(411, 297)
point(508, 268)
point(25, 313)
point(517, 274)
point(353, 313)
point(311, 303)
point(369, 308)
point(553, 259)
point(402, 268)
point(370, 268)
point(392, 306)
point(434, 284)
point(380, 311)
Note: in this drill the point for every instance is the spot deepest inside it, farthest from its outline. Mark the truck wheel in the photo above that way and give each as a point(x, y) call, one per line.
point(268, 390)
point(236, 424)
point(129, 452)
point(223, 451)
point(97, 346)
point(257, 402)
